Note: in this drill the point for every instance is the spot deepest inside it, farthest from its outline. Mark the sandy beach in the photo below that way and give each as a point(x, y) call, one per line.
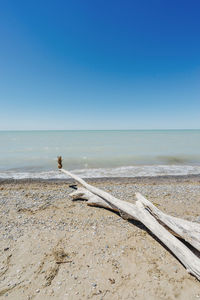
point(53, 248)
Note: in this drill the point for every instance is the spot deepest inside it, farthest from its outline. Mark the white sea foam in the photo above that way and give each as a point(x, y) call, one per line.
point(130, 171)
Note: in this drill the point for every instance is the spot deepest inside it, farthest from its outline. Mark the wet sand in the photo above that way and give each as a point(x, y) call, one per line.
point(53, 248)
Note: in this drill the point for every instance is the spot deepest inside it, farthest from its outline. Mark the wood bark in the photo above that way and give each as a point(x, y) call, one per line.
point(139, 211)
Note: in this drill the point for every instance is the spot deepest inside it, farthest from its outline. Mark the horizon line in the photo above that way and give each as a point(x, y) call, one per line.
point(152, 129)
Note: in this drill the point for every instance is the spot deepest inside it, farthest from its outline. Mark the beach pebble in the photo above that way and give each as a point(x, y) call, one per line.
point(198, 219)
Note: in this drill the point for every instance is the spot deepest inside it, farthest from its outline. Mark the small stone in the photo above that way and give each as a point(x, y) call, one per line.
point(198, 219)
point(112, 281)
point(37, 291)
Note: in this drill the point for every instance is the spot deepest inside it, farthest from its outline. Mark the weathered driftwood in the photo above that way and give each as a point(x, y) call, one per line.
point(92, 200)
point(139, 212)
point(189, 231)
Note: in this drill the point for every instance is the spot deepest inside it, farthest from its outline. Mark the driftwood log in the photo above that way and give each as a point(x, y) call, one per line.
point(160, 224)
point(189, 231)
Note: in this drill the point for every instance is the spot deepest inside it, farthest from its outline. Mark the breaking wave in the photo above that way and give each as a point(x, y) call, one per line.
point(127, 171)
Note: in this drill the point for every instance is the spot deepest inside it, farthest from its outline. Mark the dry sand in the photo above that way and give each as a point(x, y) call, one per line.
point(53, 248)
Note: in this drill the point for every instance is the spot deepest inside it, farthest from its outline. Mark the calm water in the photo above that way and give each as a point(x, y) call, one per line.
point(99, 153)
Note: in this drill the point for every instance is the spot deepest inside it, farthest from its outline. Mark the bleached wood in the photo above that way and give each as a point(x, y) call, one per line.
point(138, 211)
point(189, 231)
point(94, 200)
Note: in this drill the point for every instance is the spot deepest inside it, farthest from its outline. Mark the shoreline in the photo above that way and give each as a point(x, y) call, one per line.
point(148, 179)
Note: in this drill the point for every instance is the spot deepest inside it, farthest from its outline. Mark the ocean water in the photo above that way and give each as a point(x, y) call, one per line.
point(33, 154)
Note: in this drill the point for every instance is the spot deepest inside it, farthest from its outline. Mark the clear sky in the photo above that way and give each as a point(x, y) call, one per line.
point(99, 64)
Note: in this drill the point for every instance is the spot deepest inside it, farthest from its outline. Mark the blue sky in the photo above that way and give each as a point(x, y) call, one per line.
point(99, 64)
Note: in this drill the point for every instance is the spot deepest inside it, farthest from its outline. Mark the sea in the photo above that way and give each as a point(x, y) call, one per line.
point(99, 153)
